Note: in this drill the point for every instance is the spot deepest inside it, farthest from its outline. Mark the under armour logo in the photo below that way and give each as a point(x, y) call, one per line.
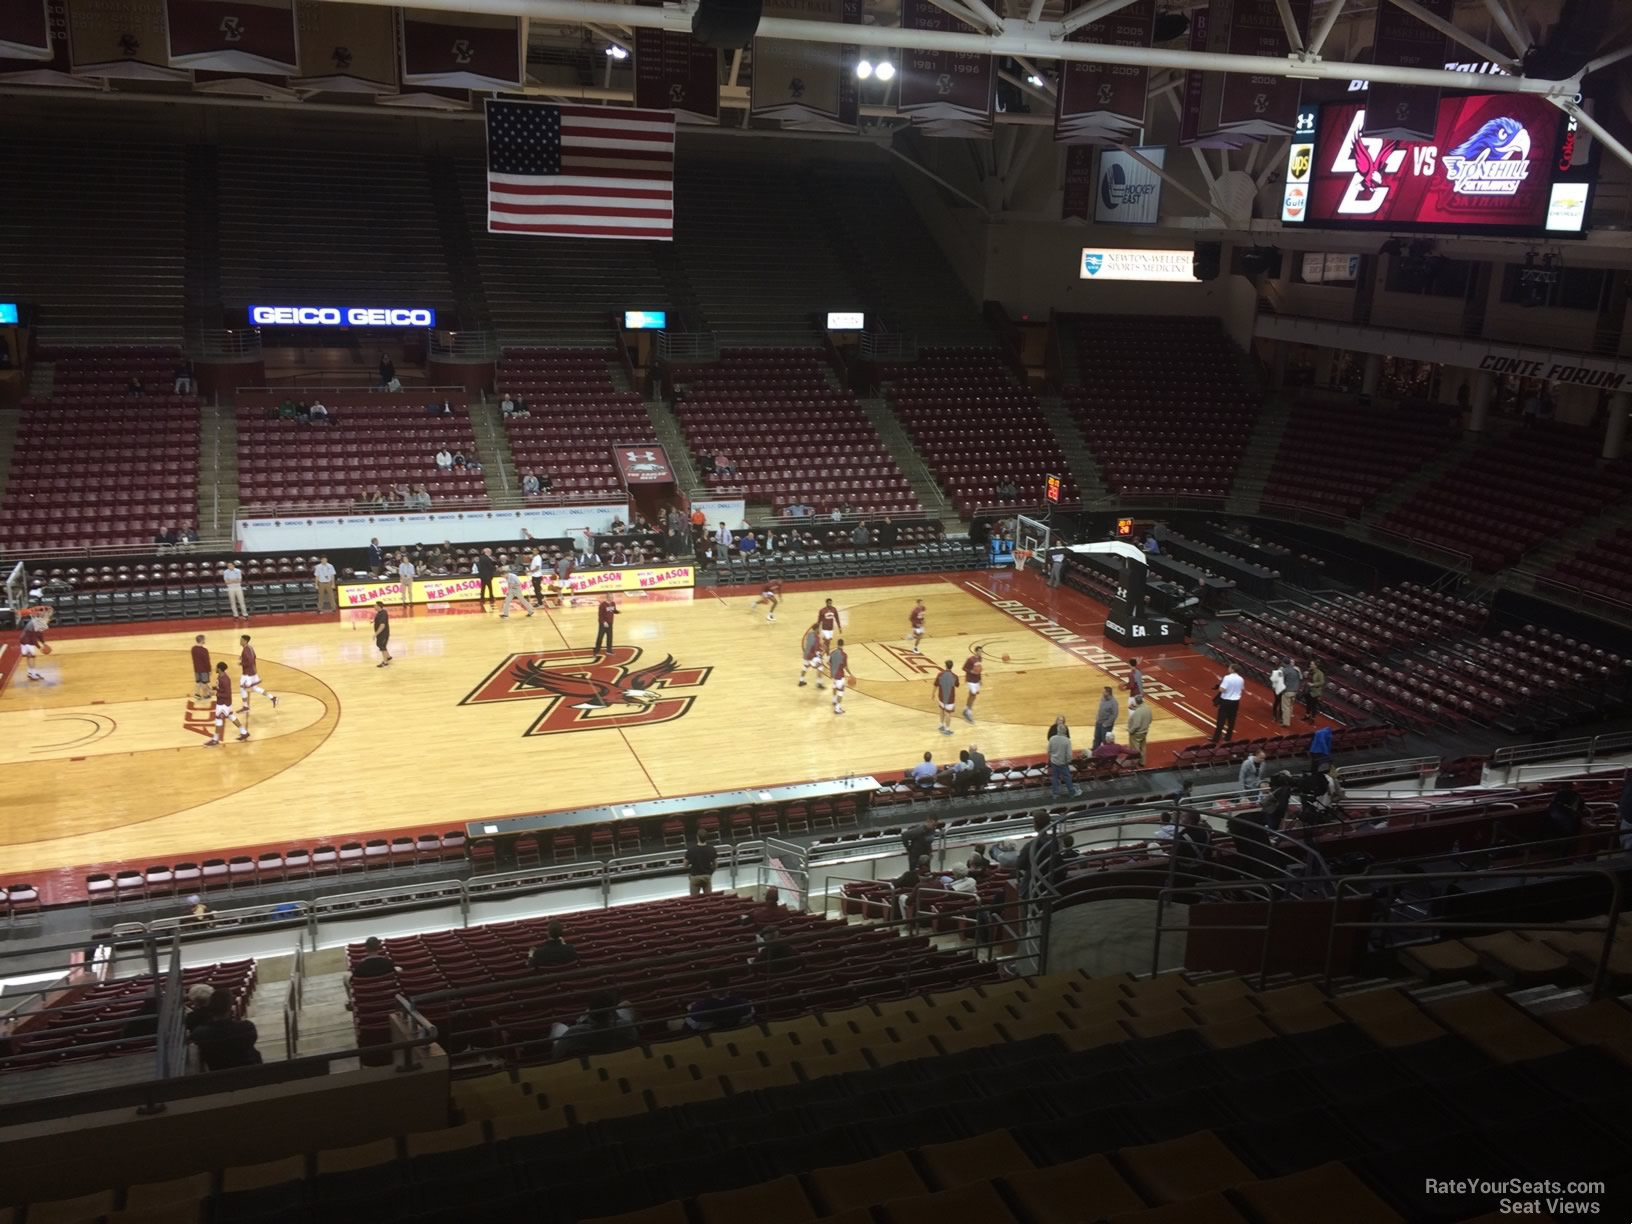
point(637, 456)
point(341, 56)
point(232, 30)
point(463, 52)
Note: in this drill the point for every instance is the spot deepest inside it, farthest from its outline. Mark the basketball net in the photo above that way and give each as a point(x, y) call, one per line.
point(40, 612)
point(1021, 556)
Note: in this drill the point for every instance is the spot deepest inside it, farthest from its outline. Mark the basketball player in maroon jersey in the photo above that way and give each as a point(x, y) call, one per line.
point(971, 682)
point(810, 655)
point(250, 676)
point(916, 636)
point(772, 594)
point(32, 643)
point(201, 668)
point(223, 708)
point(838, 663)
point(827, 624)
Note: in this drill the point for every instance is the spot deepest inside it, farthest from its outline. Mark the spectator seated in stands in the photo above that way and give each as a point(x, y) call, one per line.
point(222, 1040)
point(1165, 831)
point(134, 386)
point(165, 537)
point(554, 952)
point(1195, 839)
point(529, 482)
point(1153, 546)
point(439, 409)
point(618, 558)
point(375, 962)
point(775, 955)
point(720, 1008)
point(1566, 812)
point(1110, 750)
point(724, 465)
point(318, 414)
point(962, 881)
point(287, 410)
point(421, 499)
point(459, 460)
point(186, 537)
point(923, 774)
point(197, 1006)
point(747, 545)
point(444, 461)
point(184, 378)
point(608, 1026)
point(1008, 490)
point(473, 466)
point(507, 405)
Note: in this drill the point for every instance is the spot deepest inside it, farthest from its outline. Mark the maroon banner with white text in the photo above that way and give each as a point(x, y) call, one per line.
point(57, 68)
point(463, 50)
point(25, 30)
point(1077, 200)
point(1105, 103)
point(674, 71)
point(945, 92)
point(232, 35)
point(643, 463)
point(1247, 103)
point(1405, 112)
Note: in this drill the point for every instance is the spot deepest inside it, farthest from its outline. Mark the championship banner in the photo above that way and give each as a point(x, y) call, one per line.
point(799, 82)
point(1190, 129)
point(345, 48)
point(122, 39)
point(1105, 103)
point(463, 50)
point(1245, 103)
point(25, 30)
point(1128, 192)
point(1077, 199)
point(946, 93)
point(1405, 112)
point(232, 35)
point(459, 587)
point(58, 69)
point(674, 71)
point(643, 463)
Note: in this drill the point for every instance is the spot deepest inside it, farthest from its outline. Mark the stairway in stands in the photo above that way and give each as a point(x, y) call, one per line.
point(1084, 467)
point(1423, 477)
point(1259, 458)
point(8, 445)
point(217, 475)
point(666, 428)
point(493, 448)
point(456, 227)
point(906, 456)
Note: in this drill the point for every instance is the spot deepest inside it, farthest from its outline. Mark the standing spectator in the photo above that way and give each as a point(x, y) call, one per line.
point(1292, 678)
point(535, 573)
point(376, 556)
point(1314, 688)
point(323, 576)
point(1277, 687)
point(486, 568)
point(405, 575)
point(512, 594)
point(923, 773)
point(858, 537)
point(919, 841)
point(723, 541)
point(375, 962)
point(184, 378)
point(222, 1040)
point(1059, 725)
point(1228, 701)
point(603, 621)
point(702, 859)
point(388, 370)
point(720, 1008)
point(1056, 564)
point(1320, 747)
point(699, 520)
point(1059, 760)
point(1140, 716)
point(555, 952)
point(1251, 777)
point(608, 1026)
point(233, 579)
point(1105, 716)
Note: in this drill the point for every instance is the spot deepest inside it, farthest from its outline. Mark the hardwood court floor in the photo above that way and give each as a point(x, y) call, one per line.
point(104, 760)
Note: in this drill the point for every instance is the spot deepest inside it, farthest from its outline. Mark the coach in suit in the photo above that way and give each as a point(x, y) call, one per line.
point(486, 568)
point(376, 556)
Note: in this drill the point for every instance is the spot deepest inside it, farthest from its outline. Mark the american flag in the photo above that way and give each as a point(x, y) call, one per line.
point(580, 171)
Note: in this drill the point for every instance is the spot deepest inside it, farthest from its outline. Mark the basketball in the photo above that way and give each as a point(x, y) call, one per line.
point(45, 648)
point(1005, 658)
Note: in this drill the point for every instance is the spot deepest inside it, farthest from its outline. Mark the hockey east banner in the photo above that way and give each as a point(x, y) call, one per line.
point(803, 83)
point(25, 30)
point(1405, 112)
point(256, 36)
point(1105, 103)
point(674, 71)
point(121, 39)
point(346, 48)
point(463, 50)
point(946, 93)
point(1247, 103)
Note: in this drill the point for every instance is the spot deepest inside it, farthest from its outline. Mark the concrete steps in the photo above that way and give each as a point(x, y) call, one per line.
point(493, 448)
point(924, 487)
point(1085, 468)
point(1421, 479)
point(8, 445)
point(217, 474)
point(42, 379)
point(1258, 460)
point(667, 429)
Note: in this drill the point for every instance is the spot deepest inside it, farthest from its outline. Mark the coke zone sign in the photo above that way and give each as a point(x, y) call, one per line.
point(342, 316)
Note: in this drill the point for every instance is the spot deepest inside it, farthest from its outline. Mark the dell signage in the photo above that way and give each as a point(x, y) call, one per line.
point(846, 320)
point(341, 316)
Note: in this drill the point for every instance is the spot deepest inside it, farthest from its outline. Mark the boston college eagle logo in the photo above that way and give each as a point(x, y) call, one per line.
point(586, 690)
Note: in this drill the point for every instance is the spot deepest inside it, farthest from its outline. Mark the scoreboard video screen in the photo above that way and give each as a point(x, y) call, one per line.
point(1495, 165)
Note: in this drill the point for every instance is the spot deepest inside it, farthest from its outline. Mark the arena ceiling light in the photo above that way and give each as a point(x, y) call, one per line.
point(866, 70)
point(616, 52)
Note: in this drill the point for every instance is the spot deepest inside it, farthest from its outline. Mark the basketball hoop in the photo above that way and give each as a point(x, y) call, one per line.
point(40, 612)
point(1021, 556)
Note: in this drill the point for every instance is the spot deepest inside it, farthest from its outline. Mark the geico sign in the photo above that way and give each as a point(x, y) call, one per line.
point(335, 316)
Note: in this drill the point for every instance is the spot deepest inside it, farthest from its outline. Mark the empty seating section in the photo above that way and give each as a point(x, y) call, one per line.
point(793, 435)
point(1603, 569)
point(755, 252)
point(976, 427)
point(575, 416)
point(328, 226)
point(374, 439)
point(97, 467)
point(96, 263)
point(1164, 404)
point(1047, 1100)
point(1339, 457)
point(1422, 660)
point(119, 1010)
point(1515, 491)
point(558, 291)
point(837, 965)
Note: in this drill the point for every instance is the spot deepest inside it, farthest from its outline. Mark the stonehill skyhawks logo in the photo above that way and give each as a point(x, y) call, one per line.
point(1495, 160)
point(586, 690)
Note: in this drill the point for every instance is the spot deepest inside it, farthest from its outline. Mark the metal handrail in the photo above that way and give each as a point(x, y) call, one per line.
point(1588, 747)
point(471, 343)
point(688, 346)
point(224, 342)
point(441, 505)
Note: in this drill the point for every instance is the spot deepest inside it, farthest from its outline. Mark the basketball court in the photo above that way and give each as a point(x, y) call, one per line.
point(481, 717)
